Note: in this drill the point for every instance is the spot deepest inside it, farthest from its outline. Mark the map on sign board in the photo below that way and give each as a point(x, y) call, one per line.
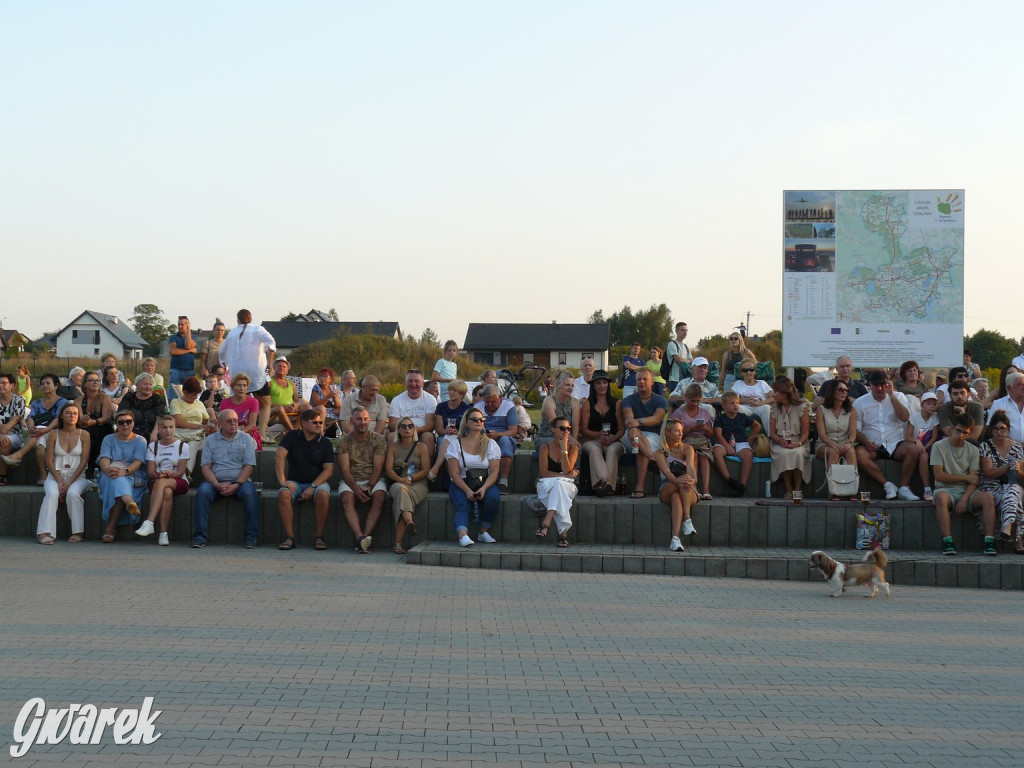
point(874, 274)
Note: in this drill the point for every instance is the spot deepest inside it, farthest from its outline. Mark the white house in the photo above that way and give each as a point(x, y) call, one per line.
point(92, 334)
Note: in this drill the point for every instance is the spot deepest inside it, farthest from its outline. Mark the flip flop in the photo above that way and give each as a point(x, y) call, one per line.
point(319, 543)
point(707, 497)
point(399, 549)
point(287, 542)
point(637, 495)
point(108, 538)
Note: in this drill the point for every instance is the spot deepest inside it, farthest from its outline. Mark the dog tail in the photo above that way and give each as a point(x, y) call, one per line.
point(878, 555)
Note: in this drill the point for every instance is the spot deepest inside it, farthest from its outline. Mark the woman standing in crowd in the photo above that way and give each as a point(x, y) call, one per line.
point(96, 412)
point(1002, 464)
point(447, 418)
point(122, 473)
point(473, 470)
point(559, 403)
point(654, 366)
point(245, 406)
point(698, 420)
point(736, 353)
point(167, 460)
point(677, 463)
point(602, 427)
point(406, 464)
point(250, 349)
point(446, 370)
point(67, 453)
point(909, 381)
point(556, 487)
point(146, 407)
point(836, 419)
point(209, 358)
point(24, 383)
point(789, 429)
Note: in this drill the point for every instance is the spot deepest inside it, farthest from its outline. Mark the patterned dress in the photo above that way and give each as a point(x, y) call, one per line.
point(1009, 497)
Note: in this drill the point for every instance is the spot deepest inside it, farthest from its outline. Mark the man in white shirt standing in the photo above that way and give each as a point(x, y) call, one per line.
point(882, 421)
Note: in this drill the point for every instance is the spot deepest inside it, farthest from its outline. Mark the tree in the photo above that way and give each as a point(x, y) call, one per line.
point(430, 338)
point(291, 317)
point(333, 314)
point(990, 349)
point(149, 322)
point(648, 326)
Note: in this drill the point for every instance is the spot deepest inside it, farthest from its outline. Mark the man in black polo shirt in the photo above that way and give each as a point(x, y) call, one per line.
point(304, 462)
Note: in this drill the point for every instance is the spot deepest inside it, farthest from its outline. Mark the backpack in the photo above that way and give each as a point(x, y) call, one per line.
point(842, 478)
point(666, 362)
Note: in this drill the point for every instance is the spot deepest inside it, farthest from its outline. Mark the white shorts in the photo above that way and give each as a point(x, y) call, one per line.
point(380, 486)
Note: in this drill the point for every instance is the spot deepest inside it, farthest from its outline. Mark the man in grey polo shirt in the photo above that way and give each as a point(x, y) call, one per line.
point(229, 457)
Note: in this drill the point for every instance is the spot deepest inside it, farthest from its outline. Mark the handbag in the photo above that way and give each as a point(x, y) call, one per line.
point(873, 530)
point(475, 476)
point(762, 446)
point(843, 479)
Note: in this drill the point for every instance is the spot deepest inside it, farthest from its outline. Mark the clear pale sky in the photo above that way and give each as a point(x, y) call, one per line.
point(442, 163)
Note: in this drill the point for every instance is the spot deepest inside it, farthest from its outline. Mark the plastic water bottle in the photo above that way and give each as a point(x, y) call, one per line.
point(410, 471)
point(636, 444)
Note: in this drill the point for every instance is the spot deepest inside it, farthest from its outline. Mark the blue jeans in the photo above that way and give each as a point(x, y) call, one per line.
point(463, 506)
point(176, 376)
point(206, 494)
point(507, 445)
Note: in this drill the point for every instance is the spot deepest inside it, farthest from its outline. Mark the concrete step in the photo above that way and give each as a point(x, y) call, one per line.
point(917, 568)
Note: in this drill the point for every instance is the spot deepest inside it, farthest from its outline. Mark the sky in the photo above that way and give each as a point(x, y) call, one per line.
point(451, 162)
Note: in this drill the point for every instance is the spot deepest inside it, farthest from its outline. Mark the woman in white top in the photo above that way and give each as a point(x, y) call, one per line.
point(167, 460)
point(249, 349)
point(756, 396)
point(67, 456)
point(476, 452)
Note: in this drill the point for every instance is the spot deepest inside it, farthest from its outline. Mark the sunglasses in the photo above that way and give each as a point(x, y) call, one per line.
point(476, 420)
point(747, 370)
point(318, 423)
point(406, 426)
point(842, 389)
point(123, 422)
point(562, 429)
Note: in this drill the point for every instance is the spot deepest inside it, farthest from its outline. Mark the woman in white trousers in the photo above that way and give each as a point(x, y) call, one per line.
point(556, 487)
point(67, 456)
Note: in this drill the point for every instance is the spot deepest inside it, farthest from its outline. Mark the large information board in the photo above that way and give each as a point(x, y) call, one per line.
point(877, 275)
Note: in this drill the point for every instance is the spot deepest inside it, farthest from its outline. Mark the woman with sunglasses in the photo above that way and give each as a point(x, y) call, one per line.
point(556, 487)
point(96, 411)
point(406, 464)
point(122, 474)
point(836, 420)
point(678, 466)
point(736, 353)
point(475, 454)
point(1002, 464)
point(67, 452)
point(756, 396)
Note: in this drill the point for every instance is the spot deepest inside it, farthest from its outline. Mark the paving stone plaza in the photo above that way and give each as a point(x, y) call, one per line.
point(332, 659)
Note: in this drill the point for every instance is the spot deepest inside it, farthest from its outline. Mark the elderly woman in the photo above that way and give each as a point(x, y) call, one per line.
point(473, 469)
point(326, 397)
point(698, 420)
point(149, 366)
point(909, 381)
point(192, 422)
point(406, 464)
point(113, 385)
point(559, 403)
point(581, 386)
point(602, 427)
point(167, 460)
point(556, 487)
point(676, 461)
point(446, 370)
point(654, 366)
point(12, 411)
point(122, 474)
point(789, 428)
point(836, 420)
point(96, 414)
point(245, 406)
point(67, 454)
point(1002, 465)
point(756, 396)
point(285, 403)
point(447, 418)
point(736, 353)
point(145, 405)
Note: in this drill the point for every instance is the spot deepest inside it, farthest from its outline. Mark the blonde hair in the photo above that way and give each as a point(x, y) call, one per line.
point(241, 376)
point(481, 449)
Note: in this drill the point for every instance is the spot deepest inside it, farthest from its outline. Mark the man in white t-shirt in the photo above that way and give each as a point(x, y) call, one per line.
point(1013, 405)
point(678, 352)
point(581, 386)
point(883, 420)
point(418, 406)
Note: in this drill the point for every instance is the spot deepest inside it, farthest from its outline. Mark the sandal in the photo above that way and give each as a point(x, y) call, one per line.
point(75, 538)
point(288, 542)
point(3, 480)
point(707, 497)
point(108, 538)
point(542, 532)
point(410, 525)
point(44, 538)
point(320, 543)
point(637, 495)
point(563, 541)
point(399, 549)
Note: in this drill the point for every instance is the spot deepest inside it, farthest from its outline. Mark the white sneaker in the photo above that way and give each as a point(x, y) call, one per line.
point(890, 491)
point(145, 529)
point(486, 538)
point(688, 527)
point(465, 541)
point(906, 494)
point(928, 494)
point(675, 545)
point(164, 541)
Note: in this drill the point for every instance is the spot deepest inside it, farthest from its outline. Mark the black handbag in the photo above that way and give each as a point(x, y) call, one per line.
point(475, 476)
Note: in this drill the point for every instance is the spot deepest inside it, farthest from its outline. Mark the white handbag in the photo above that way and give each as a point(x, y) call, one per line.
point(843, 479)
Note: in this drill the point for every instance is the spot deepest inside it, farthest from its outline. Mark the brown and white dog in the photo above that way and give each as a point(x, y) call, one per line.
point(871, 572)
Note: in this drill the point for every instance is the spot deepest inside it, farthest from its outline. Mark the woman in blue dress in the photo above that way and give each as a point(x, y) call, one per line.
point(122, 474)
